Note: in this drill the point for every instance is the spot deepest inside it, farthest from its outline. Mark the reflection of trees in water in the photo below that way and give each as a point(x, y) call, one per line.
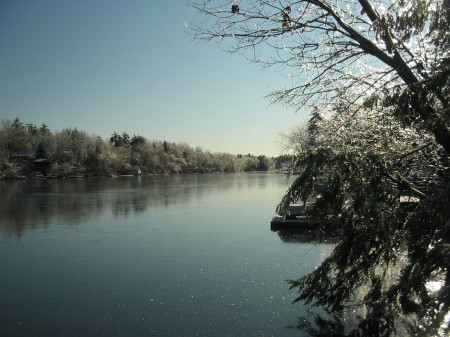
point(306, 236)
point(319, 322)
point(37, 204)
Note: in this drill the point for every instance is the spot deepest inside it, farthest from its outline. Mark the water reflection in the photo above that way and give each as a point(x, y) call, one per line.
point(163, 256)
point(306, 236)
point(35, 204)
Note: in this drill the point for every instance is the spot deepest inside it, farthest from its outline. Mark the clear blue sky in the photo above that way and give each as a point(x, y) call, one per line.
point(131, 66)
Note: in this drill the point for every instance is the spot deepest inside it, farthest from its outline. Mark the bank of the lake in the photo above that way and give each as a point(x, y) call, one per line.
point(175, 255)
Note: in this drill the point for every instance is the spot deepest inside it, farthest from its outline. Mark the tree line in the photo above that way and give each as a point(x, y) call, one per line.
point(27, 149)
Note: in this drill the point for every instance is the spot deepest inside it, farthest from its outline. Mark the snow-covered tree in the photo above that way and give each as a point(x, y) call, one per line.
point(376, 76)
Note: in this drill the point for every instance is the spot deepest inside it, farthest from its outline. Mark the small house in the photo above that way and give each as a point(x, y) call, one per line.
point(134, 170)
point(24, 156)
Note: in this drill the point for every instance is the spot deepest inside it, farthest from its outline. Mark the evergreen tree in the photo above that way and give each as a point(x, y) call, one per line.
point(166, 147)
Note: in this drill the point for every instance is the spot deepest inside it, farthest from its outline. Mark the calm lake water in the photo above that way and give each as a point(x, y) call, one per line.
point(181, 255)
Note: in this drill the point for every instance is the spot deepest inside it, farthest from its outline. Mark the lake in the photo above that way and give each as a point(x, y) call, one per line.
point(178, 255)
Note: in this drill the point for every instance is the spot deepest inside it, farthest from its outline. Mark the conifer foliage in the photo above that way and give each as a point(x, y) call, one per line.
point(376, 76)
